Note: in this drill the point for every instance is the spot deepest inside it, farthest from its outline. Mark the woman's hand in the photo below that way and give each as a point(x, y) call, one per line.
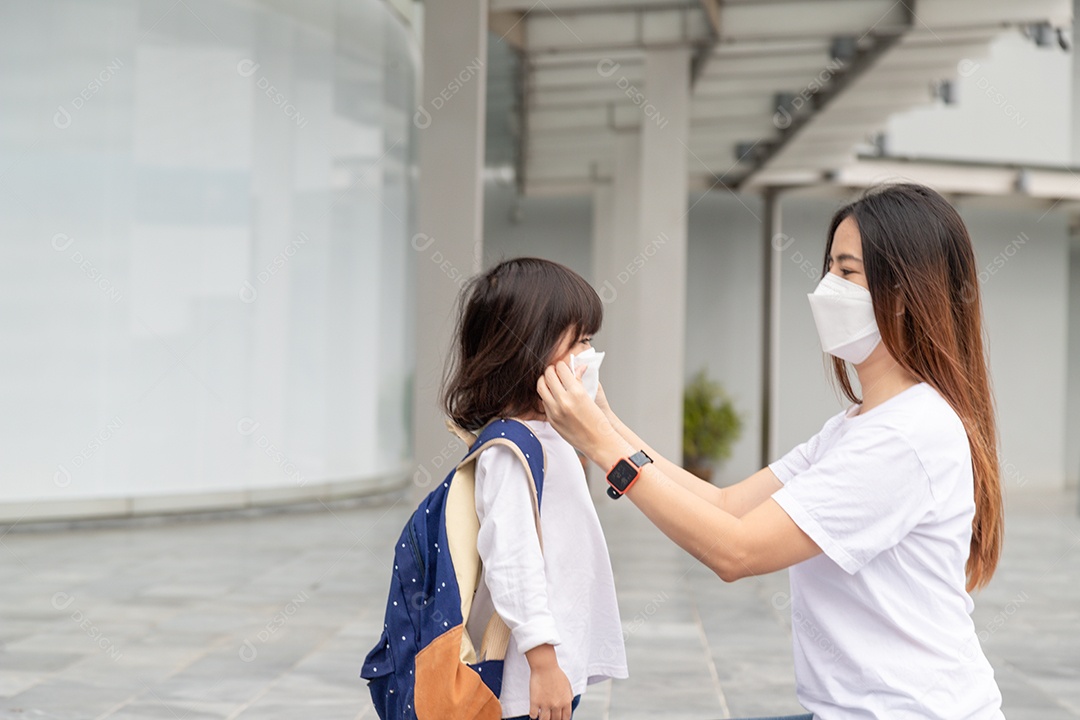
point(568, 408)
point(550, 695)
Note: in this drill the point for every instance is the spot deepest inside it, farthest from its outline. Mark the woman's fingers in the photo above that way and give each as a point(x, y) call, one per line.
point(552, 387)
point(560, 378)
point(545, 392)
point(566, 375)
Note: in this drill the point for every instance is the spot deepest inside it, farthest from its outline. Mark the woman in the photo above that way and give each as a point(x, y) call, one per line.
point(890, 515)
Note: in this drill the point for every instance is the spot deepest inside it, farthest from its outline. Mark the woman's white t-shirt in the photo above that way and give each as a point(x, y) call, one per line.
point(881, 621)
point(565, 596)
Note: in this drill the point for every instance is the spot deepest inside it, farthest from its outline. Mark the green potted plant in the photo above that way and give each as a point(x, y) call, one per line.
point(710, 425)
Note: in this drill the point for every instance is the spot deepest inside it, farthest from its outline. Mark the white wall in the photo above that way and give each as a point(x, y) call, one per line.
point(1025, 296)
point(723, 299)
point(553, 228)
point(1014, 105)
point(1017, 104)
point(1022, 254)
point(807, 394)
point(724, 316)
point(723, 323)
point(206, 216)
point(1023, 260)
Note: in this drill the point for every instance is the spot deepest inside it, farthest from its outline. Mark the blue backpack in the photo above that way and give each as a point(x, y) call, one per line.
point(426, 666)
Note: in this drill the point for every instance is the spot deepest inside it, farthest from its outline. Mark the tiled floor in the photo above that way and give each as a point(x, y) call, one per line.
point(270, 616)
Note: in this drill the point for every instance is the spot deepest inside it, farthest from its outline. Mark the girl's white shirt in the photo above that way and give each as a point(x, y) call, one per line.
point(565, 595)
point(881, 622)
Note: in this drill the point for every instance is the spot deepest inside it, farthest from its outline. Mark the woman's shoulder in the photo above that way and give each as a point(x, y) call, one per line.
point(918, 411)
point(925, 423)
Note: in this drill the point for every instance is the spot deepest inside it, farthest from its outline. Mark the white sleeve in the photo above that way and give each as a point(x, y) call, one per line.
point(798, 459)
point(513, 563)
point(862, 497)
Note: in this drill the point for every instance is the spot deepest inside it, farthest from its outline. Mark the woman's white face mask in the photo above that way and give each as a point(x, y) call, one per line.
point(844, 316)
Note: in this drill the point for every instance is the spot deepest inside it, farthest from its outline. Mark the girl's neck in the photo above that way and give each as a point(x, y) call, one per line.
point(531, 416)
point(882, 378)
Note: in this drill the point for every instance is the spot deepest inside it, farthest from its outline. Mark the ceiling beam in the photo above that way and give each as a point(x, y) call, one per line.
point(826, 94)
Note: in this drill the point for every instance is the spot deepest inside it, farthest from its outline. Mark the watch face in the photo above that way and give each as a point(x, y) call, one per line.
point(622, 474)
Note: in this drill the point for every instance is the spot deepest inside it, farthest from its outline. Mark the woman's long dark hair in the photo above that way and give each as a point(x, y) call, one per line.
point(511, 320)
point(920, 268)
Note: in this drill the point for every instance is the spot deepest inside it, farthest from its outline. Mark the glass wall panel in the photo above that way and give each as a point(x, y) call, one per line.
point(205, 282)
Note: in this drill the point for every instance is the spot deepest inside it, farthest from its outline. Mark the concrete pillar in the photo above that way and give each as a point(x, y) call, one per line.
point(1072, 360)
point(1072, 421)
point(1075, 134)
point(449, 232)
point(615, 243)
point(603, 224)
point(661, 258)
point(603, 241)
point(772, 245)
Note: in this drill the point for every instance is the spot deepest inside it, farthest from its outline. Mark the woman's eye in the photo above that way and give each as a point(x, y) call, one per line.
point(845, 272)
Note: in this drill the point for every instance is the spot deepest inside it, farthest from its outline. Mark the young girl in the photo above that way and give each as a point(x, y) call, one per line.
point(559, 600)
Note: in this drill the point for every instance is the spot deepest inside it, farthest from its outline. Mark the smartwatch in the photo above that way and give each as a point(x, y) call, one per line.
point(625, 473)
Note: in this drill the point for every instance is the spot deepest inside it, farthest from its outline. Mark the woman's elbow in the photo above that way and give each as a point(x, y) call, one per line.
point(729, 574)
point(729, 567)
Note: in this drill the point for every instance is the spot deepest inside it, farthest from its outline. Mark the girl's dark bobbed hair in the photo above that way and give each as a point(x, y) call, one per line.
point(511, 320)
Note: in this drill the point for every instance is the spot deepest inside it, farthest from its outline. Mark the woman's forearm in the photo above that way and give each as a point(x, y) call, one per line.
point(702, 529)
point(676, 474)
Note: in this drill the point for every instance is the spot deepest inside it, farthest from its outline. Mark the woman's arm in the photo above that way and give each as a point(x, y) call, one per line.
point(696, 485)
point(765, 539)
point(737, 499)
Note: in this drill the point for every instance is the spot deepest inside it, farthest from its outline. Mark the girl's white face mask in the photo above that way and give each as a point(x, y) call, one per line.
point(591, 360)
point(844, 316)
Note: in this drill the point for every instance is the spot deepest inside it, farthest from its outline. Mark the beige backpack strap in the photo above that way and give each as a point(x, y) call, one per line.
point(467, 437)
point(497, 634)
point(496, 639)
point(471, 457)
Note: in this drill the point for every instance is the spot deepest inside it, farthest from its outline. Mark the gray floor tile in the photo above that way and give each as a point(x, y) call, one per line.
point(269, 617)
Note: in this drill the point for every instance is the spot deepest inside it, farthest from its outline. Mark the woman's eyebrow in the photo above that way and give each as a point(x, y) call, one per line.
point(846, 256)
